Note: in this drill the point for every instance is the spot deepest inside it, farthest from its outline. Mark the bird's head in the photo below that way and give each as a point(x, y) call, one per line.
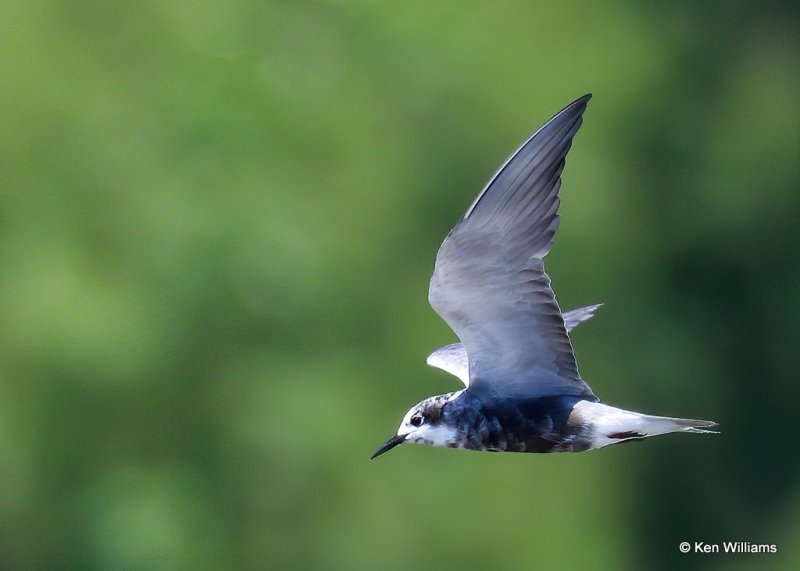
point(423, 424)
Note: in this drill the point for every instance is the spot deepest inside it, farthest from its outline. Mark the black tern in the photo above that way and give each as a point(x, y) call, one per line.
point(523, 390)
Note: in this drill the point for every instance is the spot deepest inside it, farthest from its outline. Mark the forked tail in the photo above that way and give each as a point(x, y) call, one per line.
point(610, 425)
point(684, 425)
point(656, 425)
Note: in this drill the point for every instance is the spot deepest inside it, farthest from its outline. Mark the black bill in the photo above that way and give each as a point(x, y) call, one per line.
point(388, 445)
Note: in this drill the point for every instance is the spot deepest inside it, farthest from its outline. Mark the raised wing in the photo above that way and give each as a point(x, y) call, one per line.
point(489, 283)
point(453, 358)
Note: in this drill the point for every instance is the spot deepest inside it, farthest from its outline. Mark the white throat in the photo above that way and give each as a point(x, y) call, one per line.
point(436, 435)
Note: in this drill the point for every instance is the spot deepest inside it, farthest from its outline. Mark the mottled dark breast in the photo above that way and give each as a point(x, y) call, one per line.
point(518, 425)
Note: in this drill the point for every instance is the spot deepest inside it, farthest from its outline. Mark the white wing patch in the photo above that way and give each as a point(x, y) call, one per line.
point(452, 359)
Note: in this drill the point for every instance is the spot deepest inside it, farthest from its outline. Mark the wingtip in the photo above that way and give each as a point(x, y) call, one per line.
point(561, 128)
point(582, 100)
point(577, 107)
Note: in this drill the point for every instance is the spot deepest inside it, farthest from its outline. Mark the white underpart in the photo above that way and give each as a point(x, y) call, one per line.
point(438, 435)
point(606, 420)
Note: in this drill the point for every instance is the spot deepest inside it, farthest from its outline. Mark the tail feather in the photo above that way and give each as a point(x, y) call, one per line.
point(655, 425)
point(611, 425)
point(695, 426)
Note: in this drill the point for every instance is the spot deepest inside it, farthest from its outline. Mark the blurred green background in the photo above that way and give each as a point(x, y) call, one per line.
point(217, 224)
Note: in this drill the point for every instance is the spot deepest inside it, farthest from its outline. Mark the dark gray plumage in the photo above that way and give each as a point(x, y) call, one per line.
point(524, 392)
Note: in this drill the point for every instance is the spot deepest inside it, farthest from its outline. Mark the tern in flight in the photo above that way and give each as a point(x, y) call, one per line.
point(523, 390)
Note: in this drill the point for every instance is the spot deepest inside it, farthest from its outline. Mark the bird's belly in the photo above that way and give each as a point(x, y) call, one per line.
point(512, 442)
point(536, 426)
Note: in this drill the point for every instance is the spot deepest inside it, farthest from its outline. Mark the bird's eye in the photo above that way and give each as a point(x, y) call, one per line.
point(416, 420)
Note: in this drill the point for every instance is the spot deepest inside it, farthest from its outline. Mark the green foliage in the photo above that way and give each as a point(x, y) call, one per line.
point(217, 223)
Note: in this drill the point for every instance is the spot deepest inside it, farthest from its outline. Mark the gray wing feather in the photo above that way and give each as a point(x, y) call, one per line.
point(577, 316)
point(489, 282)
point(453, 358)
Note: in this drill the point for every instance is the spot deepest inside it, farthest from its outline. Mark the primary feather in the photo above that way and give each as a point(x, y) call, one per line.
point(489, 282)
